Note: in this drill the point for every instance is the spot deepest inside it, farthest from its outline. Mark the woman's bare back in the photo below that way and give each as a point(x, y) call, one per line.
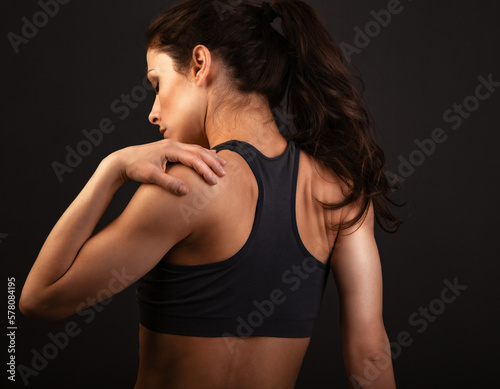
point(179, 361)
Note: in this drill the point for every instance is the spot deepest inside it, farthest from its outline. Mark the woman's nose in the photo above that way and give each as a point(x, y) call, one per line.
point(154, 115)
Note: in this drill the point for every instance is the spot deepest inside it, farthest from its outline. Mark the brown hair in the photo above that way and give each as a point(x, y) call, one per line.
point(303, 66)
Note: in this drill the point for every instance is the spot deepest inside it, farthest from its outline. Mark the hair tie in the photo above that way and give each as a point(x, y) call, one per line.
point(269, 13)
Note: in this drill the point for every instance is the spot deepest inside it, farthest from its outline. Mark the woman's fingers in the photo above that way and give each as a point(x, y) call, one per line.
point(222, 160)
point(211, 158)
point(197, 163)
point(204, 161)
point(215, 162)
point(172, 184)
point(146, 163)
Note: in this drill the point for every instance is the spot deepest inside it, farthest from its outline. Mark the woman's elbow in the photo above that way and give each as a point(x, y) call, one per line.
point(36, 308)
point(372, 348)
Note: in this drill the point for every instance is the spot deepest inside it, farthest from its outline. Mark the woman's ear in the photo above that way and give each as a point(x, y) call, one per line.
point(202, 61)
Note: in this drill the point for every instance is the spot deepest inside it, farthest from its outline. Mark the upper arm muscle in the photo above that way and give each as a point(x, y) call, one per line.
point(355, 264)
point(126, 249)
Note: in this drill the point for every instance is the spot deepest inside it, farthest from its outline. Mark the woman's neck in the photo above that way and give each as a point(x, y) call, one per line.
point(253, 124)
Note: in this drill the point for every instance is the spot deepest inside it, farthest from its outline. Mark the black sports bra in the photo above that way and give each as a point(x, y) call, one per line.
point(272, 286)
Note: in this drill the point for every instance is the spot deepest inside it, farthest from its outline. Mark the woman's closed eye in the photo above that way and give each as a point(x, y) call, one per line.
point(157, 87)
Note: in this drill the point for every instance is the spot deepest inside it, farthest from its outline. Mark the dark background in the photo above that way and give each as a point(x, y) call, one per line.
point(427, 59)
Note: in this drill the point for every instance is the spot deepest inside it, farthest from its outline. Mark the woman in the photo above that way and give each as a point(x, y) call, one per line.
point(230, 276)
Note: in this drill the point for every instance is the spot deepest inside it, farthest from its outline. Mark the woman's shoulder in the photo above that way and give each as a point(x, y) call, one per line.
point(205, 202)
point(326, 185)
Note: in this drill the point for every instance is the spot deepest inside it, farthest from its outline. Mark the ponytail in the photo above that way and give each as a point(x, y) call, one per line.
point(330, 122)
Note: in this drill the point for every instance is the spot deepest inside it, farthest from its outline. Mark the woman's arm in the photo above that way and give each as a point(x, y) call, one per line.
point(355, 264)
point(74, 270)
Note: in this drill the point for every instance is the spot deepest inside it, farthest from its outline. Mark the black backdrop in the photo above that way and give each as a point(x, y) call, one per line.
point(438, 127)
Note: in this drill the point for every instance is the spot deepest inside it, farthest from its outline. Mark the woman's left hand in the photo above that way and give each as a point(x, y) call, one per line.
point(147, 163)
